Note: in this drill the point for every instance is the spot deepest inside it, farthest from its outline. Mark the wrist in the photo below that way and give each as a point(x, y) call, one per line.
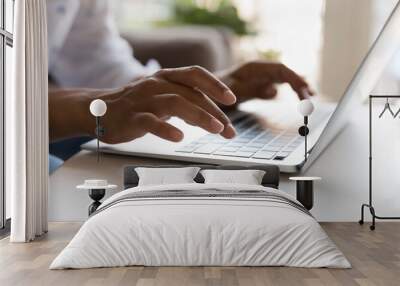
point(85, 122)
point(69, 113)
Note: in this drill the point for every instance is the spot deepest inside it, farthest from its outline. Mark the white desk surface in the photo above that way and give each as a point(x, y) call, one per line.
point(305, 178)
point(343, 168)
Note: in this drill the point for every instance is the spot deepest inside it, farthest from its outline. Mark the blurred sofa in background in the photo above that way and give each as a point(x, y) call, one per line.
point(180, 46)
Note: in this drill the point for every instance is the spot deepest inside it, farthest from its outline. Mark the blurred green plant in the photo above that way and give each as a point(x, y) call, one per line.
point(270, 55)
point(223, 13)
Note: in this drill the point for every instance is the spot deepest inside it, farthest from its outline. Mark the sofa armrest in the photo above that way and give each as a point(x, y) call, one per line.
point(182, 46)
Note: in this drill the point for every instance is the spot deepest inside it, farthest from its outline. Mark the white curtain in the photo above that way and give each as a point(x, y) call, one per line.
point(27, 123)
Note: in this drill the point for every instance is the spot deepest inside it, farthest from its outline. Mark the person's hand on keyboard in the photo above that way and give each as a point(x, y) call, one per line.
point(144, 106)
point(257, 80)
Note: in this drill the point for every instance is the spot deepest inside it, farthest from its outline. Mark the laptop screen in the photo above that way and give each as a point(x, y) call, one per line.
point(376, 69)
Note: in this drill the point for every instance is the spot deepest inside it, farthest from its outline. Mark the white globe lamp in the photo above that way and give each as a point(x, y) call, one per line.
point(98, 108)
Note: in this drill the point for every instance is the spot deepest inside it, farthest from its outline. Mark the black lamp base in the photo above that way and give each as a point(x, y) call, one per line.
point(96, 195)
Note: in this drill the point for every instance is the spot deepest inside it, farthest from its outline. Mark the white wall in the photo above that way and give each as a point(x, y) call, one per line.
point(347, 26)
point(390, 81)
point(350, 27)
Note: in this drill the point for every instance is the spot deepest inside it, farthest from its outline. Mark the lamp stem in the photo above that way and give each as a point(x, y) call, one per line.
point(97, 136)
point(305, 138)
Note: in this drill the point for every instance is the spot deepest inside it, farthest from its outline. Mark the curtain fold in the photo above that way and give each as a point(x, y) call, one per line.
point(27, 123)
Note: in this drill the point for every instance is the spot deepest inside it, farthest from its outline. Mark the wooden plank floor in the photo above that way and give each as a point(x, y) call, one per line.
point(375, 257)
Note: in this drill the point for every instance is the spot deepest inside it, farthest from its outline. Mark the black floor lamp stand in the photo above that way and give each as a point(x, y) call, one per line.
point(370, 203)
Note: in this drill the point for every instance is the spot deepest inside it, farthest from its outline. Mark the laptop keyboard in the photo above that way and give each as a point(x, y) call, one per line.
point(251, 141)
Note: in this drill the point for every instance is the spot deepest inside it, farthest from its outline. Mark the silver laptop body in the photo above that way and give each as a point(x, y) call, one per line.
point(267, 130)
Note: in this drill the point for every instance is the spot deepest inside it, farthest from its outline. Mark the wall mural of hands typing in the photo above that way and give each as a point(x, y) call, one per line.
point(190, 93)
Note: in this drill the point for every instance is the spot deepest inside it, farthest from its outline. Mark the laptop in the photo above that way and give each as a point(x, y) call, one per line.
point(267, 130)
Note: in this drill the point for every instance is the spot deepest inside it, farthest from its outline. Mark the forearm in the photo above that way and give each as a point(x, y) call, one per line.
point(69, 114)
